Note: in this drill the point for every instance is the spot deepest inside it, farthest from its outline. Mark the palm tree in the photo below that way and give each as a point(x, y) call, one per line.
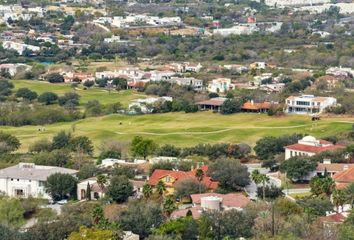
point(338, 198)
point(169, 206)
point(199, 174)
point(350, 153)
point(101, 181)
point(147, 190)
point(258, 178)
point(160, 188)
point(349, 192)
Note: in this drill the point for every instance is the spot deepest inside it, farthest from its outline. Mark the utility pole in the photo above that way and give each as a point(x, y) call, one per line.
point(273, 220)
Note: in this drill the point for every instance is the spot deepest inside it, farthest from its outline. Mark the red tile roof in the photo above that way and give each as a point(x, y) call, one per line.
point(313, 149)
point(180, 175)
point(231, 200)
point(334, 218)
point(333, 167)
point(196, 212)
point(344, 177)
point(256, 106)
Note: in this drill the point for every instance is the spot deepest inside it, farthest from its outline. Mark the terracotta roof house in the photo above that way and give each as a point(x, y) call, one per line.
point(96, 190)
point(257, 107)
point(213, 202)
point(310, 146)
point(344, 178)
point(171, 178)
point(331, 168)
point(332, 81)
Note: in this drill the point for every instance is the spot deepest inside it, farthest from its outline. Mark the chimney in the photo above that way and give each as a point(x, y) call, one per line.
point(345, 167)
point(252, 102)
point(326, 161)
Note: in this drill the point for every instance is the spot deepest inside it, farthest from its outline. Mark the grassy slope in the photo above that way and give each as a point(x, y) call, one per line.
point(186, 129)
point(99, 94)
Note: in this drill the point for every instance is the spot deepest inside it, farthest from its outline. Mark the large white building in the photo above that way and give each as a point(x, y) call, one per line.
point(196, 84)
point(294, 2)
point(27, 179)
point(220, 85)
point(308, 104)
point(20, 47)
point(310, 146)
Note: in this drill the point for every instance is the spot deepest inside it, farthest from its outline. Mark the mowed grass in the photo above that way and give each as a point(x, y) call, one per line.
point(100, 94)
point(184, 130)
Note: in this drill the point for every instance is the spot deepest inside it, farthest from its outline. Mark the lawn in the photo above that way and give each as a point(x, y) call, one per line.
point(100, 94)
point(186, 129)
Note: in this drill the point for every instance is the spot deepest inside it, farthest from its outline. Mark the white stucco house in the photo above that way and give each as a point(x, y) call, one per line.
point(308, 104)
point(310, 146)
point(27, 179)
point(220, 85)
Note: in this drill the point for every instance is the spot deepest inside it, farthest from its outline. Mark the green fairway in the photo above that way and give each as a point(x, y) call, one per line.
point(100, 94)
point(186, 129)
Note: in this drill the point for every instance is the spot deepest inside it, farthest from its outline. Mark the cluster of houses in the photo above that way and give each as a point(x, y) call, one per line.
point(28, 179)
point(139, 20)
point(249, 28)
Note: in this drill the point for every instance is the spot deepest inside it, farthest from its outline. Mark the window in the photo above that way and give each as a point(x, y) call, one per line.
point(41, 183)
point(291, 153)
point(19, 192)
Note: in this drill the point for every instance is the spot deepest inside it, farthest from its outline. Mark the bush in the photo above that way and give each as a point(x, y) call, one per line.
point(55, 78)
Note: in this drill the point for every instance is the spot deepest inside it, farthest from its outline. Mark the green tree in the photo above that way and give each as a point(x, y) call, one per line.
point(8, 143)
point(61, 186)
point(147, 190)
point(231, 105)
point(141, 217)
point(26, 93)
point(119, 189)
point(61, 140)
point(86, 233)
point(81, 143)
point(5, 89)
point(168, 151)
point(199, 174)
point(55, 78)
point(142, 147)
point(349, 192)
point(231, 224)
point(88, 192)
point(181, 228)
point(89, 84)
point(102, 181)
point(48, 98)
point(169, 205)
point(259, 178)
point(338, 198)
point(160, 188)
point(232, 176)
point(318, 206)
point(11, 212)
point(185, 187)
point(320, 186)
point(297, 168)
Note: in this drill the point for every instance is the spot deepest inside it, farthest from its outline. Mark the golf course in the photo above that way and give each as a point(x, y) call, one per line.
point(180, 128)
point(183, 129)
point(100, 94)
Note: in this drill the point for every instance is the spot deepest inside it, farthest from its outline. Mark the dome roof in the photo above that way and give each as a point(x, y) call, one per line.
point(309, 139)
